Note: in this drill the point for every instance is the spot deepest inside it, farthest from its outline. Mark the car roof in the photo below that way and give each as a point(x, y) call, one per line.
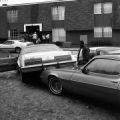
point(109, 48)
point(105, 48)
point(95, 48)
point(40, 45)
point(13, 40)
point(115, 57)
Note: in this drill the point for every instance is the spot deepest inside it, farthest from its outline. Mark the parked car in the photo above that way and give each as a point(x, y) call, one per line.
point(108, 50)
point(93, 51)
point(35, 57)
point(99, 78)
point(14, 45)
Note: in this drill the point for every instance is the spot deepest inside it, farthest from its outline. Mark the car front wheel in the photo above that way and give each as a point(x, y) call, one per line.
point(55, 85)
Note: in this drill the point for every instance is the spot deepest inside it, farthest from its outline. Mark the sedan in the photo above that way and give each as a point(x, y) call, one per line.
point(34, 58)
point(93, 50)
point(14, 45)
point(99, 78)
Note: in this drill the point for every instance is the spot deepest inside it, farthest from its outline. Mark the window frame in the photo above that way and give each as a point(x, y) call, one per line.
point(58, 13)
point(14, 33)
point(106, 11)
point(98, 34)
point(103, 34)
point(100, 8)
point(107, 34)
point(59, 34)
point(85, 68)
point(12, 16)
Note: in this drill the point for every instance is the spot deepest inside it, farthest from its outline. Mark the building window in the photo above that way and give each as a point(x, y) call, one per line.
point(103, 8)
point(98, 8)
point(107, 8)
point(14, 34)
point(107, 32)
point(58, 13)
point(102, 32)
point(59, 34)
point(12, 16)
point(98, 32)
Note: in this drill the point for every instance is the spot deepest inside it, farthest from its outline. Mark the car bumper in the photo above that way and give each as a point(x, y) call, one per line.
point(47, 66)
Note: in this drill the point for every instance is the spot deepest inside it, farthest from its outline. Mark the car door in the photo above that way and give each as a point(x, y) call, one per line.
point(98, 79)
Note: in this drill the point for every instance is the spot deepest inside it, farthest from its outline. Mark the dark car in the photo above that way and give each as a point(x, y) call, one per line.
point(99, 78)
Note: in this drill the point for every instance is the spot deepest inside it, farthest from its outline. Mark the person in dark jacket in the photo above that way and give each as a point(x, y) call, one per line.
point(83, 54)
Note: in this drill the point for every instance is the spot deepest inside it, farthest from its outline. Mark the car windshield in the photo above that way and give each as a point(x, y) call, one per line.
point(41, 48)
point(8, 42)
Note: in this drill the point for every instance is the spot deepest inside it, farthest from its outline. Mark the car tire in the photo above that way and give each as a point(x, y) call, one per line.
point(17, 49)
point(55, 86)
point(23, 77)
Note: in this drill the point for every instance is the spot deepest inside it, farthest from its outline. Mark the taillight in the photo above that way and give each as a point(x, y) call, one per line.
point(33, 61)
point(63, 58)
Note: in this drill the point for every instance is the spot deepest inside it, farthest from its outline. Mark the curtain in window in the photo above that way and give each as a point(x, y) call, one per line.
point(107, 8)
point(12, 16)
point(58, 13)
point(59, 34)
point(98, 8)
point(107, 31)
point(98, 32)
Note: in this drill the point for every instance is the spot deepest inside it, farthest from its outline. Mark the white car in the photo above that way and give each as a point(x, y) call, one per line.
point(33, 58)
point(14, 45)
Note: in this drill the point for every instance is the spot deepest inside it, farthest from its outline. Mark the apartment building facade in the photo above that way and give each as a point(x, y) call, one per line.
point(96, 22)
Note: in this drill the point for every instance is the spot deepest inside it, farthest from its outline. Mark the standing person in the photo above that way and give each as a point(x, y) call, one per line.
point(38, 41)
point(34, 37)
point(83, 54)
point(43, 39)
point(47, 38)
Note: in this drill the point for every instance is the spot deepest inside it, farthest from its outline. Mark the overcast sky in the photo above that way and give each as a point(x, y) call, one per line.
point(11, 2)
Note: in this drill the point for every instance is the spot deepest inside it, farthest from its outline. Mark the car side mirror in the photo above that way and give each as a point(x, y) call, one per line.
point(85, 71)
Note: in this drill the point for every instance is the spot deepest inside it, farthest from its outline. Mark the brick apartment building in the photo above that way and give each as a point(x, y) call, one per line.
point(97, 22)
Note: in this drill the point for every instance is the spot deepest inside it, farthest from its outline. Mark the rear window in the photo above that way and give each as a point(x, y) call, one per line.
point(41, 48)
point(8, 42)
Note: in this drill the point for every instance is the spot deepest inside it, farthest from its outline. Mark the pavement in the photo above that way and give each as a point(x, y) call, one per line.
point(33, 101)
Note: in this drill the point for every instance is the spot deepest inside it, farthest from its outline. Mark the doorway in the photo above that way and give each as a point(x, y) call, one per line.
point(31, 28)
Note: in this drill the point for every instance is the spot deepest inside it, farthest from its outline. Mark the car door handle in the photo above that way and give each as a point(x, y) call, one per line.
point(114, 81)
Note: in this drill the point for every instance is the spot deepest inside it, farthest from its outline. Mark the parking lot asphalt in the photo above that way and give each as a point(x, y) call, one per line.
point(33, 101)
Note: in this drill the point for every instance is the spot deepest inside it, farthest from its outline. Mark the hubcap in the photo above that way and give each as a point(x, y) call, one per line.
point(55, 86)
